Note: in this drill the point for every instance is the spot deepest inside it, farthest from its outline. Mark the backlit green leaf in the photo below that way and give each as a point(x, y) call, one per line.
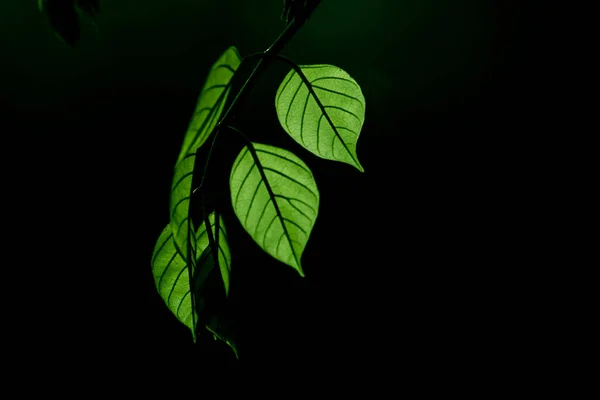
point(325, 113)
point(211, 101)
point(276, 199)
point(171, 275)
point(172, 279)
point(181, 189)
point(208, 111)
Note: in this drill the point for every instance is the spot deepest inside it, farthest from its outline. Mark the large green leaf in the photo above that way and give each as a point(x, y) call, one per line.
point(276, 199)
point(208, 111)
point(172, 277)
point(324, 112)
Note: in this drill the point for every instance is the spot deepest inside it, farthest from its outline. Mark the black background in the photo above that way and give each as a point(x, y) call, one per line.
point(420, 263)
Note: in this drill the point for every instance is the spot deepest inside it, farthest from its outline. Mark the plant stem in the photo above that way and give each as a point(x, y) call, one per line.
point(269, 55)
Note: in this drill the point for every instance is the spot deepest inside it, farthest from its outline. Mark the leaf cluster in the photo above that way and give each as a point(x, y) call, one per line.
point(272, 191)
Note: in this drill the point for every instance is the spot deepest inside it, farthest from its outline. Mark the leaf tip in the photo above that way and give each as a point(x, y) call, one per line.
point(359, 166)
point(235, 50)
point(234, 348)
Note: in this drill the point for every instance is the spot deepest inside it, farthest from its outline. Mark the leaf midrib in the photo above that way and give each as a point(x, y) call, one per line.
point(260, 168)
point(298, 70)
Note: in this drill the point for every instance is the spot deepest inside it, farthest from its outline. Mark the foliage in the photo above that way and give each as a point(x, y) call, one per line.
point(273, 192)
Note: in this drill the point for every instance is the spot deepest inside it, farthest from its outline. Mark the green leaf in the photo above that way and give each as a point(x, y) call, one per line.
point(324, 112)
point(171, 275)
point(208, 111)
point(181, 189)
point(276, 199)
point(172, 279)
point(211, 101)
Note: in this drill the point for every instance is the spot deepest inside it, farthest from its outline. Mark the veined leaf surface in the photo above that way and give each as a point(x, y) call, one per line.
point(208, 111)
point(172, 279)
point(181, 190)
point(171, 274)
point(276, 199)
point(325, 114)
point(211, 101)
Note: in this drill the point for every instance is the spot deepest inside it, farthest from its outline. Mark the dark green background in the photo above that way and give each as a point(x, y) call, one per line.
point(415, 263)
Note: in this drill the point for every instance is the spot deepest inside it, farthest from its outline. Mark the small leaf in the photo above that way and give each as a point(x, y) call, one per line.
point(276, 199)
point(208, 111)
point(325, 114)
point(171, 276)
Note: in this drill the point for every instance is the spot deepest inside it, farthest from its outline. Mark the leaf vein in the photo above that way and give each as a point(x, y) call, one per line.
point(267, 230)
point(290, 178)
point(340, 93)
point(287, 115)
point(344, 110)
point(338, 78)
point(285, 159)
point(174, 285)
point(296, 225)
point(262, 213)
point(162, 276)
point(242, 184)
point(302, 119)
point(181, 302)
point(296, 207)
